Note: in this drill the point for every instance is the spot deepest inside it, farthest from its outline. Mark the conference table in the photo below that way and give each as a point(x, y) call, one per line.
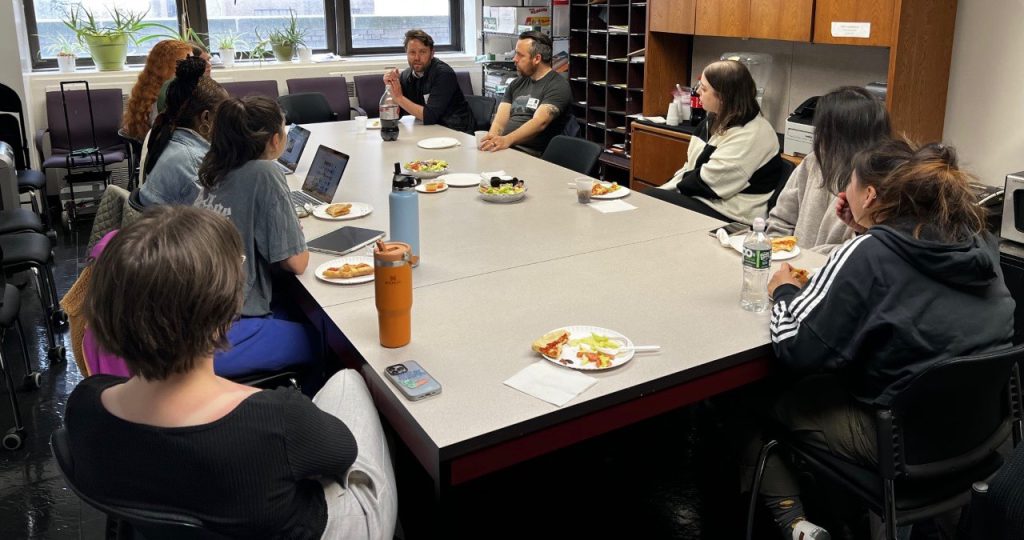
point(494, 277)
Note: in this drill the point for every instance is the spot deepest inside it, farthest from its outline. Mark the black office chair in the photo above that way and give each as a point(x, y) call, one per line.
point(12, 131)
point(270, 379)
point(997, 506)
point(785, 170)
point(12, 439)
point(33, 252)
point(482, 108)
point(134, 147)
point(941, 434)
point(306, 108)
point(579, 155)
point(125, 522)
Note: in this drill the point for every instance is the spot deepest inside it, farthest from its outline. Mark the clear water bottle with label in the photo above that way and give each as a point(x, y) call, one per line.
point(757, 259)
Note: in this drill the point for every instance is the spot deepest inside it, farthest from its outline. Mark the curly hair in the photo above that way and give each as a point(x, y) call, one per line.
point(160, 64)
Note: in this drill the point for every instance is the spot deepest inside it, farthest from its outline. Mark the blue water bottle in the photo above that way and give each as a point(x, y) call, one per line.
point(404, 206)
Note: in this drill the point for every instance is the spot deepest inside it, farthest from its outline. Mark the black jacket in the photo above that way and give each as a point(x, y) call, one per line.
point(886, 305)
point(446, 106)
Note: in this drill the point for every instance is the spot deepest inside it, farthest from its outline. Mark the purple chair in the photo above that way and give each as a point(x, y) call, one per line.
point(465, 82)
point(369, 89)
point(335, 89)
point(77, 133)
point(251, 88)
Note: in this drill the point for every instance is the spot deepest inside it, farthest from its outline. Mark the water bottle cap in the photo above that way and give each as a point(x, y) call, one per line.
point(391, 252)
point(403, 183)
point(759, 224)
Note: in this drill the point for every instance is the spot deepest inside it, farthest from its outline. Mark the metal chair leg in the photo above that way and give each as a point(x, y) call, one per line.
point(31, 375)
point(890, 510)
point(12, 439)
point(755, 489)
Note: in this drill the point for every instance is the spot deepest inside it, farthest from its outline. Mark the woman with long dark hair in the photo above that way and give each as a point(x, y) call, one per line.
point(240, 181)
point(846, 121)
point(921, 285)
point(732, 163)
point(180, 136)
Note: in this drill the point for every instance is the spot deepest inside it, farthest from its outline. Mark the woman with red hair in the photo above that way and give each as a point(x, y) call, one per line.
point(160, 64)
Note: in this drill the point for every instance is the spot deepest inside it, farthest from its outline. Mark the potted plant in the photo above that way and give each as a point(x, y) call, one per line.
point(227, 45)
point(283, 41)
point(66, 50)
point(108, 42)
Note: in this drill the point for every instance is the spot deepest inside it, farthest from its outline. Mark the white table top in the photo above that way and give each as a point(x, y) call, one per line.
point(495, 277)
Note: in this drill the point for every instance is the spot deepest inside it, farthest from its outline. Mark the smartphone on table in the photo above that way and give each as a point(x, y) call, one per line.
point(730, 228)
point(412, 380)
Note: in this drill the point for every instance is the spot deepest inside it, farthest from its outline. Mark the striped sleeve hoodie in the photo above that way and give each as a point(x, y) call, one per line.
point(886, 305)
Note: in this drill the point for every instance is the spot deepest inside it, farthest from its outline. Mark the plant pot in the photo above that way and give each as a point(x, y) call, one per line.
point(66, 63)
point(283, 53)
point(108, 52)
point(227, 57)
point(305, 55)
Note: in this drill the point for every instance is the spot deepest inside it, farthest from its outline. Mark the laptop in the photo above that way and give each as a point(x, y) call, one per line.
point(298, 136)
point(323, 178)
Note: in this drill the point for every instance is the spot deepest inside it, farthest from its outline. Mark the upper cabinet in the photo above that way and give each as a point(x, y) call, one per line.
point(673, 16)
point(729, 18)
point(787, 20)
point(854, 22)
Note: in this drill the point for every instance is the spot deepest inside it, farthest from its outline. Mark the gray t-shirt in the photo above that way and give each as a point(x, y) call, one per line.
point(255, 197)
point(527, 95)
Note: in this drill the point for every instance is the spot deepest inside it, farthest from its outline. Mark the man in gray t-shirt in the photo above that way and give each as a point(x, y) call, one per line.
point(535, 107)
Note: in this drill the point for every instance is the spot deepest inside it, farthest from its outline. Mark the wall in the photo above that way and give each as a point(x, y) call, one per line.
point(799, 70)
point(985, 101)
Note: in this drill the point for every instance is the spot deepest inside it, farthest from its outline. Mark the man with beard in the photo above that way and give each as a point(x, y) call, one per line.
point(536, 105)
point(428, 89)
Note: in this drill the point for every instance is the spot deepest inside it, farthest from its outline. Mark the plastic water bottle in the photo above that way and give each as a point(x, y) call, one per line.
point(404, 208)
point(757, 259)
point(388, 116)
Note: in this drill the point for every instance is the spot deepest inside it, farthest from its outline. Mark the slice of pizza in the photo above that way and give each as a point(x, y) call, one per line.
point(783, 243)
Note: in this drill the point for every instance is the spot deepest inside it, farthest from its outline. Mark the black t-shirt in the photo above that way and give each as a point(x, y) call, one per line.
point(439, 93)
point(527, 95)
point(251, 473)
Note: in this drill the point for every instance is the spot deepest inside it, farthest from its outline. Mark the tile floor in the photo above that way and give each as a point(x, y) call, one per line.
point(671, 477)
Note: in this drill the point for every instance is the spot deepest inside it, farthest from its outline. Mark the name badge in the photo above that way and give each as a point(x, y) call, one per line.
point(532, 103)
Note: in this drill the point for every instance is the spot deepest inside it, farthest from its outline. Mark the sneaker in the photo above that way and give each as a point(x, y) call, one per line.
point(805, 530)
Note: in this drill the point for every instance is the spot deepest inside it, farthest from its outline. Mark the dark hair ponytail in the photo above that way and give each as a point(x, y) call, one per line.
point(241, 131)
point(188, 95)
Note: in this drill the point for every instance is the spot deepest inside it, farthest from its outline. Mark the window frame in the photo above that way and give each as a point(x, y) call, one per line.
point(338, 34)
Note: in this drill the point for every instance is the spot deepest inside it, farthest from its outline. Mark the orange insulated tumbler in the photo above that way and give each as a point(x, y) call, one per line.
point(392, 285)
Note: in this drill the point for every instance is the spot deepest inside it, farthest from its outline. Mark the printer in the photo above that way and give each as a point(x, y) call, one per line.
point(799, 136)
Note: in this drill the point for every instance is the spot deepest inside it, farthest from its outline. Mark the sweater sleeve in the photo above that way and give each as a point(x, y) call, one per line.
point(782, 219)
point(318, 444)
point(812, 327)
point(443, 87)
point(736, 156)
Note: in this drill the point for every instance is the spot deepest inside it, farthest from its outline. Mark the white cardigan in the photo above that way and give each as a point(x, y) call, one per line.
point(739, 152)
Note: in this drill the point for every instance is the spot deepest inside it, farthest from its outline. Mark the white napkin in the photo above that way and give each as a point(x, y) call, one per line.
point(544, 380)
point(655, 119)
point(607, 207)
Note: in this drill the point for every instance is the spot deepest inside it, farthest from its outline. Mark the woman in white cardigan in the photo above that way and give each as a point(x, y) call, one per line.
point(732, 163)
point(847, 120)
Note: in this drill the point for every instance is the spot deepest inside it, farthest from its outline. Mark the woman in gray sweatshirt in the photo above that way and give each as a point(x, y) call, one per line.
point(847, 120)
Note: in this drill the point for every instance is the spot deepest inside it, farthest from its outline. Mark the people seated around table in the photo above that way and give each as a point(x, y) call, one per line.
point(847, 120)
point(160, 65)
point(919, 285)
point(428, 89)
point(176, 437)
point(535, 107)
point(180, 136)
point(732, 163)
point(239, 180)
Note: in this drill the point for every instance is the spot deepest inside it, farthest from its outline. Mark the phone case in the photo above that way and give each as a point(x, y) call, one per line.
point(412, 380)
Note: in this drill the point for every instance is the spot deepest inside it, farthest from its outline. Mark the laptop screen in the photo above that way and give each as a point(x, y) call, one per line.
point(298, 136)
point(324, 174)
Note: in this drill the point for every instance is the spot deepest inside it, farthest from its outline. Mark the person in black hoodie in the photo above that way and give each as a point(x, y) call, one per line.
point(920, 284)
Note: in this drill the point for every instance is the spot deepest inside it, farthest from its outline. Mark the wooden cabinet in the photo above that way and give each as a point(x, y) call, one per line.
point(675, 16)
point(834, 18)
point(657, 155)
point(729, 18)
point(787, 20)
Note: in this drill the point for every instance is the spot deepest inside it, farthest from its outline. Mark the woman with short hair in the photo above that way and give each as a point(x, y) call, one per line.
point(732, 162)
point(847, 120)
point(176, 437)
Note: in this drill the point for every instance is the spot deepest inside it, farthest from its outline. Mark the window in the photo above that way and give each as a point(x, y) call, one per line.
point(380, 25)
point(46, 27)
point(345, 27)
